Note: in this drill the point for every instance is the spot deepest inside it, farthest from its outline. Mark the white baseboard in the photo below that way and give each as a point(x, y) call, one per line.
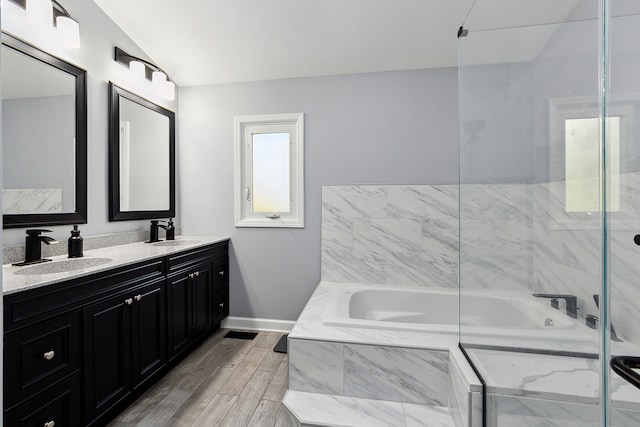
point(253, 324)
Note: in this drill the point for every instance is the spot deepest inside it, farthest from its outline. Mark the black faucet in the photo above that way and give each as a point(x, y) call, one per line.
point(571, 302)
point(33, 248)
point(153, 232)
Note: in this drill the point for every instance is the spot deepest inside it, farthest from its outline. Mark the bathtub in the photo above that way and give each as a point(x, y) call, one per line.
point(436, 310)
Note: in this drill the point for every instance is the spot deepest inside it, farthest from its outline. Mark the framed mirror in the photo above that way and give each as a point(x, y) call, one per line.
point(44, 138)
point(141, 158)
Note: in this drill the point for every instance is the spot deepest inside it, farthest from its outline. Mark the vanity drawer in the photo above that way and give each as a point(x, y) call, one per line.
point(39, 356)
point(220, 273)
point(59, 406)
point(188, 259)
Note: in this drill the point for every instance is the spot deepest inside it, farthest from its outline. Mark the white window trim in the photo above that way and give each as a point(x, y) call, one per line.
point(560, 109)
point(244, 217)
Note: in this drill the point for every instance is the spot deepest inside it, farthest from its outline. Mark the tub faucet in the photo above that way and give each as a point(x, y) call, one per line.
point(571, 302)
point(33, 247)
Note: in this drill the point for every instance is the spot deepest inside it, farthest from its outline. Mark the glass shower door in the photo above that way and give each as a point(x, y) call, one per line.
point(622, 167)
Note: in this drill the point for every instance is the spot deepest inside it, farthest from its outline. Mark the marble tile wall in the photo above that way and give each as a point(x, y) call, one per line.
point(496, 250)
point(390, 234)
point(408, 235)
point(568, 252)
point(374, 372)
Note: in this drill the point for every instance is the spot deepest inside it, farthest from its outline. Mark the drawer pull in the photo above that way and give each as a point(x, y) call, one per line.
point(128, 301)
point(197, 273)
point(49, 355)
point(50, 424)
point(138, 297)
point(191, 276)
point(221, 272)
point(221, 305)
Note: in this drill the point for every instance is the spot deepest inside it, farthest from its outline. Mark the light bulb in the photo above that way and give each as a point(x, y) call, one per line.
point(40, 13)
point(138, 70)
point(158, 79)
point(170, 90)
point(69, 31)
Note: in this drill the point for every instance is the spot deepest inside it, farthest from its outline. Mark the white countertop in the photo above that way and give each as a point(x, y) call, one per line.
point(120, 256)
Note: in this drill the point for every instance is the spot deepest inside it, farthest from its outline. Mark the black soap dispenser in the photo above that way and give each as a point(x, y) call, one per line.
point(171, 230)
point(75, 243)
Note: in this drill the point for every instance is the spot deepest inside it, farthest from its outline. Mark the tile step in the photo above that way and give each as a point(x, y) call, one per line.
point(314, 409)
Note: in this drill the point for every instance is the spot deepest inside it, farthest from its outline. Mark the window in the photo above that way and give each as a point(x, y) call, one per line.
point(582, 164)
point(269, 170)
point(575, 160)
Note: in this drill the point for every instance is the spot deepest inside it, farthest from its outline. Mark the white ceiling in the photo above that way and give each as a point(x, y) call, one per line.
point(200, 42)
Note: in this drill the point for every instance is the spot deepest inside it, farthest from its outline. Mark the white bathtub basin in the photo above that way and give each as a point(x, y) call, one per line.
point(436, 310)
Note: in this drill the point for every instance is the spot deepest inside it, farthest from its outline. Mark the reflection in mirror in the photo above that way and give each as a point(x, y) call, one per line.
point(142, 158)
point(44, 138)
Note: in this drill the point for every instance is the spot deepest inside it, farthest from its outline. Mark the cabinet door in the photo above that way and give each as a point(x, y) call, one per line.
point(149, 351)
point(202, 285)
point(179, 313)
point(107, 353)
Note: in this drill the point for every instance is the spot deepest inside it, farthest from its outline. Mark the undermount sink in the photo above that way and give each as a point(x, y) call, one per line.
point(62, 266)
point(176, 242)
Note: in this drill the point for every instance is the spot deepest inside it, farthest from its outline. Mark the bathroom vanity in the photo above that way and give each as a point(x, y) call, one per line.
point(81, 345)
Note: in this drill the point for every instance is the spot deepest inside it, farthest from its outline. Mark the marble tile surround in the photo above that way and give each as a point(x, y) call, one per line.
point(312, 409)
point(15, 253)
point(368, 371)
point(465, 392)
point(513, 236)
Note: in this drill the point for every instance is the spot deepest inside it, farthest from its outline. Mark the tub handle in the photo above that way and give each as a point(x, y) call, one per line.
point(624, 366)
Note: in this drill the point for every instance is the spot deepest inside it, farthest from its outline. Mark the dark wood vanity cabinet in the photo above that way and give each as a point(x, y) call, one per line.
point(78, 352)
point(124, 344)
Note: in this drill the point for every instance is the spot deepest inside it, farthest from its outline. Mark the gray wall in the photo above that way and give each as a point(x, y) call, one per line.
point(98, 36)
point(378, 128)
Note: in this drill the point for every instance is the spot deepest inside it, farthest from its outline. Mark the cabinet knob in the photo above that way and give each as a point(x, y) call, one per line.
point(138, 297)
point(197, 273)
point(128, 301)
point(191, 276)
point(221, 305)
point(50, 424)
point(221, 272)
point(49, 355)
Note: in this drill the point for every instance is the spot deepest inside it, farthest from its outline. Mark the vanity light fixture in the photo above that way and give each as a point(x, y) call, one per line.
point(50, 15)
point(161, 83)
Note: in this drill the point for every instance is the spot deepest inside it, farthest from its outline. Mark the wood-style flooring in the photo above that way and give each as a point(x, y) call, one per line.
point(224, 382)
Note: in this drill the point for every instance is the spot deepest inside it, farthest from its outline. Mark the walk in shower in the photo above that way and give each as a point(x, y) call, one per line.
point(549, 101)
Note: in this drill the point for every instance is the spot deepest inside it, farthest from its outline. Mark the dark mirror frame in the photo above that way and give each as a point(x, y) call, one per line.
point(80, 214)
point(115, 214)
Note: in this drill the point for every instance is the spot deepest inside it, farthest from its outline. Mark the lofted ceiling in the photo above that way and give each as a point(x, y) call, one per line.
point(200, 42)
